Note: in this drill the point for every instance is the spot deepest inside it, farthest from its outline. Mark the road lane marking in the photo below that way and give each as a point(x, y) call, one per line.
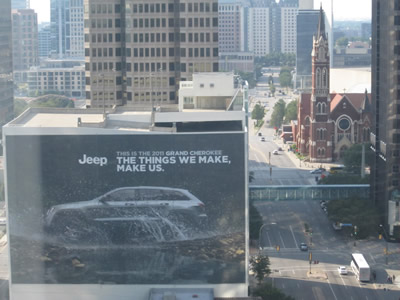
point(261, 153)
point(269, 240)
point(343, 281)
point(334, 295)
point(372, 258)
point(293, 236)
point(283, 243)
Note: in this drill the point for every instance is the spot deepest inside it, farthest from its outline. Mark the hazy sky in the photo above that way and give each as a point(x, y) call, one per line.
point(343, 9)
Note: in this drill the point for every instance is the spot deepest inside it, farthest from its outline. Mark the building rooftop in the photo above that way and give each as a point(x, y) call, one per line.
point(122, 119)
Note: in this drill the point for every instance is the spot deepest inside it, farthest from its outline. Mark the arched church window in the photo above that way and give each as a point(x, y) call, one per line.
point(323, 151)
point(318, 74)
point(319, 152)
point(321, 53)
point(324, 78)
point(323, 108)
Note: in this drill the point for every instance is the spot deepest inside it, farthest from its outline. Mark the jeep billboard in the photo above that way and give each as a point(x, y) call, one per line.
point(126, 209)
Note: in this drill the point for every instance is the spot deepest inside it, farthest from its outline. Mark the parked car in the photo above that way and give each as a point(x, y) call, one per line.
point(279, 149)
point(262, 139)
point(126, 207)
point(259, 134)
point(318, 171)
point(275, 152)
point(342, 270)
point(303, 247)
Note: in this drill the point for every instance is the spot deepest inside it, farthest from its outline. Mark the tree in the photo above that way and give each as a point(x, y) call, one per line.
point(285, 77)
point(352, 158)
point(355, 211)
point(278, 114)
point(259, 265)
point(258, 112)
point(249, 77)
point(52, 101)
point(267, 292)
point(342, 42)
point(20, 106)
point(272, 89)
point(290, 112)
point(255, 222)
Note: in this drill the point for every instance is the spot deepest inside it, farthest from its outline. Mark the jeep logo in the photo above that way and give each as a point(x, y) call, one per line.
point(93, 160)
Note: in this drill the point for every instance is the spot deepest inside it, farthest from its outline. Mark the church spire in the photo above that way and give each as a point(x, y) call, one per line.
point(321, 24)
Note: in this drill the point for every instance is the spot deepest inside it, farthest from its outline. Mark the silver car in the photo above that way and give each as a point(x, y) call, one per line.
point(143, 211)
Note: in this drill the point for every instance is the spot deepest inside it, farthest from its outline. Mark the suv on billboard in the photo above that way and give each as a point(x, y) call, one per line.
point(144, 212)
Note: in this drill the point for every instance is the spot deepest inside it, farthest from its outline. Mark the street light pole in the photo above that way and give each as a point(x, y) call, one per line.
point(259, 238)
point(101, 75)
point(387, 245)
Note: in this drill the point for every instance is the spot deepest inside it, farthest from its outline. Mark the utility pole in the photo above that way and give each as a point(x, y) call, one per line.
point(363, 161)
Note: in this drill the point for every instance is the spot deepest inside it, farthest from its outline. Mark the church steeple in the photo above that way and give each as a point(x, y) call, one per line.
point(320, 60)
point(321, 24)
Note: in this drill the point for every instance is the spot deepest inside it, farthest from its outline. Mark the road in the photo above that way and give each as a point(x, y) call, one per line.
point(270, 169)
point(284, 227)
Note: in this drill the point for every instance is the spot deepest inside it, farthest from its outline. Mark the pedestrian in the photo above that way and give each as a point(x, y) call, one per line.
point(388, 279)
point(394, 277)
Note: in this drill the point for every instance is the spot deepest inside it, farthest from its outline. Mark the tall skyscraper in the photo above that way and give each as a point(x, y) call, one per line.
point(6, 83)
point(231, 26)
point(25, 39)
point(138, 52)
point(306, 4)
point(307, 21)
point(44, 41)
point(66, 17)
point(20, 4)
point(385, 133)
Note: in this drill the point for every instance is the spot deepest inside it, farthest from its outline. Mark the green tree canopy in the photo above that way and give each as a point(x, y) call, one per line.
point(267, 292)
point(276, 59)
point(20, 105)
point(258, 112)
point(255, 222)
point(52, 101)
point(342, 42)
point(249, 77)
point(352, 158)
point(291, 112)
point(355, 211)
point(259, 265)
point(278, 113)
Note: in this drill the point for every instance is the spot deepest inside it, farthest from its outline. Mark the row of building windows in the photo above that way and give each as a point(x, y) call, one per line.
point(183, 7)
point(155, 37)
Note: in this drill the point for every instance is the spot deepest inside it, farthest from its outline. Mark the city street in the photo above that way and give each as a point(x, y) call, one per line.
point(284, 227)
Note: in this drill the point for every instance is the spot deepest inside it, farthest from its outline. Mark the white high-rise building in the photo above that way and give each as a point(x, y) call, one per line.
point(259, 30)
point(306, 4)
point(288, 29)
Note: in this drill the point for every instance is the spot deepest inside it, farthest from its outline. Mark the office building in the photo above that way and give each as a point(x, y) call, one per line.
point(25, 39)
point(139, 54)
point(66, 17)
point(44, 41)
point(306, 4)
point(385, 132)
point(139, 247)
point(259, 33)
point(6, 67)
point(231, 26)
point(20, 4)
point(288, 27)
point(307, 21)
point(236, 61)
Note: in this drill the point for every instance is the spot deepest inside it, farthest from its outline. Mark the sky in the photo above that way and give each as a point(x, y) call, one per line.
point(343, 9)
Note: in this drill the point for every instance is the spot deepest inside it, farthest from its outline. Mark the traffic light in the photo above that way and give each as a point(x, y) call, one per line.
point(278, 248)
point(380, 236)
point(355, 230)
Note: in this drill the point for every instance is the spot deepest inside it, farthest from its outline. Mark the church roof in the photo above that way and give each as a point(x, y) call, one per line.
point(356, 99)
point(366, 105)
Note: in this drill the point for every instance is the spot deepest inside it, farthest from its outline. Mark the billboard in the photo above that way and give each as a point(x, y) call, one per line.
point(126, 209)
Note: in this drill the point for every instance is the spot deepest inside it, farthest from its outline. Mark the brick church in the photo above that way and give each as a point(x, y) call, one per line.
point(329, 123)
